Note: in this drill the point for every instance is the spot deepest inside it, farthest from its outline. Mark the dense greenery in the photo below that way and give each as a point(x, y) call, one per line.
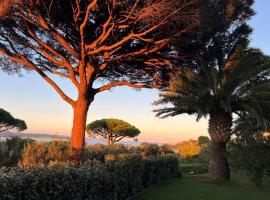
point(46, 154)
point(27, 153)
point(11, 151)
point(199, 188)
point(188, 149)
point(250, 149)
point(112, 180)
point(117, 43)
point(236, 87)
point(224, 77)
point(112, 130)
point(7, 122)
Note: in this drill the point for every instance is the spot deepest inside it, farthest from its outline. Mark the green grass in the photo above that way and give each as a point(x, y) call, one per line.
point(199, 188)
point(196, 168)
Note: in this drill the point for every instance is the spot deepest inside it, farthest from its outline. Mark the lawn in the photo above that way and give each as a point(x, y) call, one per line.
point(199, 188)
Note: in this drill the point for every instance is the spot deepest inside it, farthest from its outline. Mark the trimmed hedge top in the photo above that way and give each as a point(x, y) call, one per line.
point(113, 180)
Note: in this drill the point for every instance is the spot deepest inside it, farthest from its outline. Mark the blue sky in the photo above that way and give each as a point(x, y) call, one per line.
point(31, 99)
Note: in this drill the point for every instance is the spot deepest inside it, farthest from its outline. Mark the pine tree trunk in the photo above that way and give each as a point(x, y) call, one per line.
point(78, 129)
point(220, 124)
point(108, 140)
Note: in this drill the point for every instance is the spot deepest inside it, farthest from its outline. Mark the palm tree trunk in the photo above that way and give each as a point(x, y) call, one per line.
point(220, 124)
point(78, 130)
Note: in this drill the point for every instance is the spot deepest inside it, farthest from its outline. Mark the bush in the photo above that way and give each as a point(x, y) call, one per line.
point(46, 154)
point(11, 151)
point(99, 152)
point(253, 156)
point(113, 180)
point(158, 168)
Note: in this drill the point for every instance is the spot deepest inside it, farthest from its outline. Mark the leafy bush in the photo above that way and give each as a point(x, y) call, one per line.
point(188, 149)
point(46, 154)
point(11, 151)
point(99, 152)
point(148, 149)
point(158, 168)
point(252, 156)
point(113, 180)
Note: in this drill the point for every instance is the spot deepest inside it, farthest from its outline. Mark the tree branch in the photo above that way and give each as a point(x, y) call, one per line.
point(20, 59)
point(124, 83)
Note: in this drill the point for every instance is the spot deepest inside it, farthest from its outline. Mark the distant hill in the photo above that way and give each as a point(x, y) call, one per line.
point(50, 137)
point(34, 135)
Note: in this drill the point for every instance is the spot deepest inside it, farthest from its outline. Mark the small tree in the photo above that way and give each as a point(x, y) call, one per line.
point(205, 144)
point(204, 141)
point(8, 122)
point(113, 130)
point(188, 149)
point(250, 149)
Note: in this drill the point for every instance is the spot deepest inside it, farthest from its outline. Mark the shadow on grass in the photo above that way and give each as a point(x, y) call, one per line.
point(198, 187)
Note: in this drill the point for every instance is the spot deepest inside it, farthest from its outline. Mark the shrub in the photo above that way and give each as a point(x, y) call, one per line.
point(46, 154)
point(189, 149)
point(99, 152)
point(158, 168)
point(149, 149)
point(11, 151)
point(113, 180)
point(253, 156)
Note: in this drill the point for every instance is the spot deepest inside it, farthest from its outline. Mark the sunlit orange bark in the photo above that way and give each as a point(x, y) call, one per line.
point(108, 139)
point(78, 129)
point(70, 50)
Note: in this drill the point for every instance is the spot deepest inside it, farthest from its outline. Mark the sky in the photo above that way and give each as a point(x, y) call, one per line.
point(33, 100)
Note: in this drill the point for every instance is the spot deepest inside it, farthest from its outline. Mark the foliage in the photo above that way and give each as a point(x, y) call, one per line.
point(238, 87)
point(148, 149)
point(204, 141)
point(226, 77)
point(114, 180)
point(59, 153)
point(112, 130)
point(7, 122)
point(117, 43)
point(154, 169)
point(188, 149)
point(99, 152)
point(205, 144)
point(46, 154)
point(222, 75)
point(11, 151)
point(250, 149)
point(166, 149)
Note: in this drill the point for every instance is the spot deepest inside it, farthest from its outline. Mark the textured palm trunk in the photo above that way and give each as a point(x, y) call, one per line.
point(220, 124)
point(78, 130)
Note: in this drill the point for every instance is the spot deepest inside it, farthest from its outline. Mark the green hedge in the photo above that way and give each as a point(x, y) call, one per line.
point(113, 180)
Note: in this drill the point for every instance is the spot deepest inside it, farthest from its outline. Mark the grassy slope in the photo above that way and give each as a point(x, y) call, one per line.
point(196, 188)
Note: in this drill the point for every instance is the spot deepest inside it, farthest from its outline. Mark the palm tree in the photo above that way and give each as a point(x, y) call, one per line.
point(249, 125)
point(241, 85)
